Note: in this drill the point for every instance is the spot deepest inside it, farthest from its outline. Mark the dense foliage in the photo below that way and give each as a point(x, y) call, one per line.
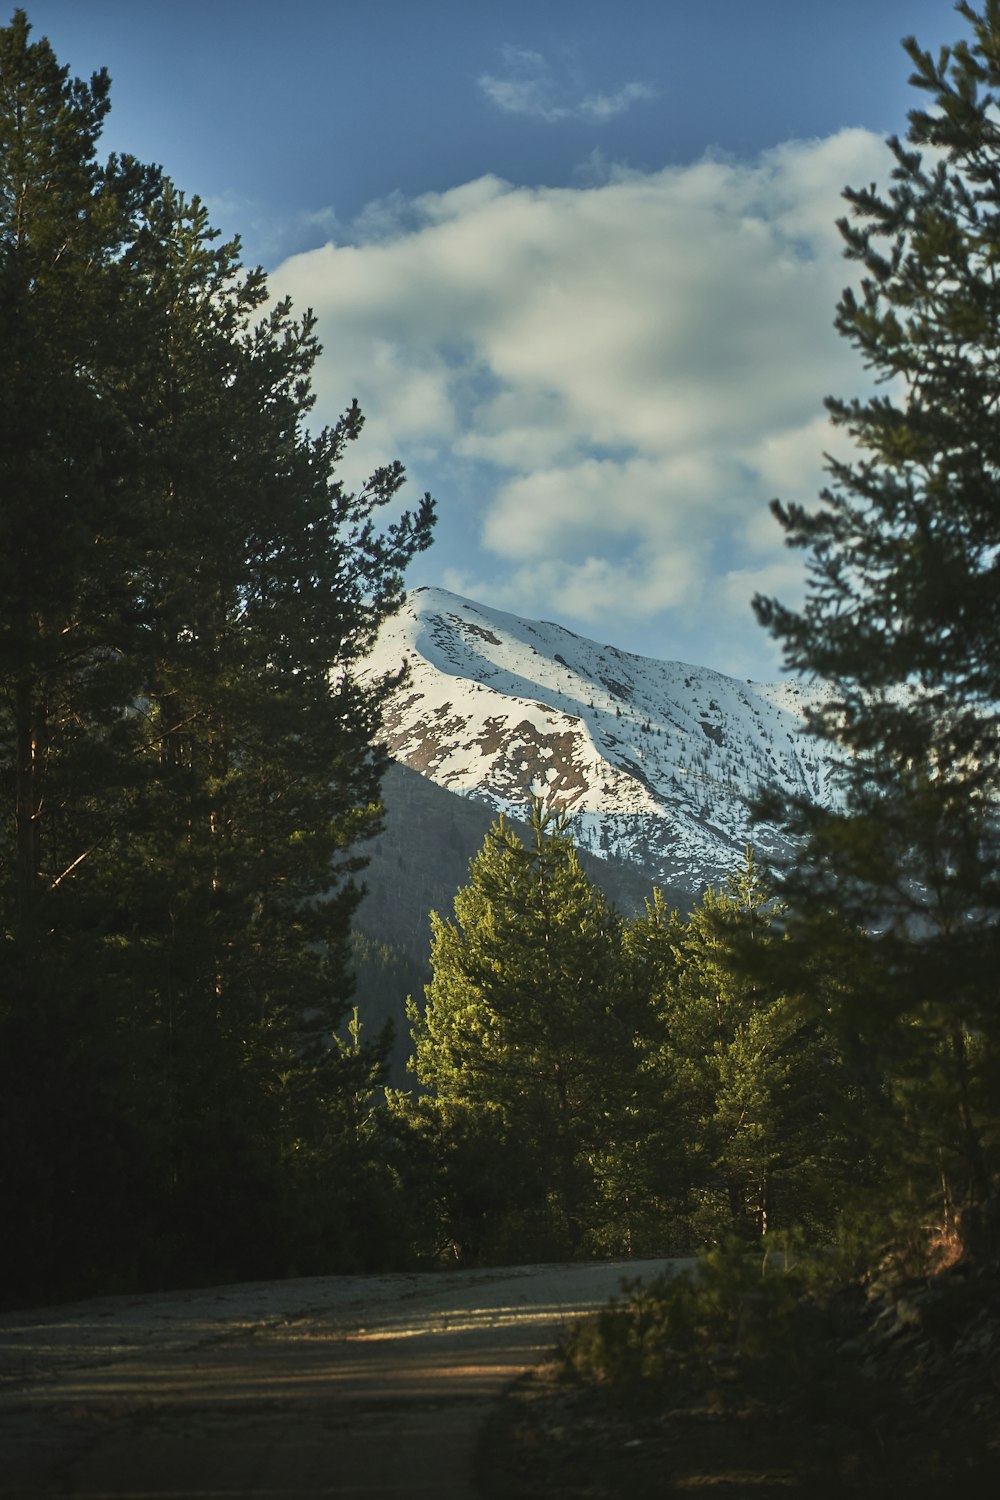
point(527, 1023)
point(186, 761)
point(618, 1086)
point(898, 889)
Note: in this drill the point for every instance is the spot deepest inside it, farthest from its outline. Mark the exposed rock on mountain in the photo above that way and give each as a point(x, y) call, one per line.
point(656, 761)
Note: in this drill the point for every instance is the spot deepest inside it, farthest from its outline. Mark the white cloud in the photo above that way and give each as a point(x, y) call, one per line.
point(606, 383)
point(573, 506)
point(531, 88)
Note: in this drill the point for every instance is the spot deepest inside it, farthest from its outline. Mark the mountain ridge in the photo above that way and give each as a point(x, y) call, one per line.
point(656, 762)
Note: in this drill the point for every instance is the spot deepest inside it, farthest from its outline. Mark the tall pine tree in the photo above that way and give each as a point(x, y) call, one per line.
point(68, 637)
point(902, 621)
point(759, 1086)
point(527, 1023)
point(186, 761)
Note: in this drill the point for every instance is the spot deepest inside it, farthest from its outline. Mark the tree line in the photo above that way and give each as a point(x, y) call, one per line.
point(607, 1086)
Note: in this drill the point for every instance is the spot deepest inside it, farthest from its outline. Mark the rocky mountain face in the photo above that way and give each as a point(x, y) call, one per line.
point(656, 761)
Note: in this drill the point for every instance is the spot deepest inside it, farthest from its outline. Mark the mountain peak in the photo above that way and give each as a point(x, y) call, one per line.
point(656, 761)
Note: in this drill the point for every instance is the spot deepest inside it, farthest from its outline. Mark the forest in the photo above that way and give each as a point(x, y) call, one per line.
point(189, 768)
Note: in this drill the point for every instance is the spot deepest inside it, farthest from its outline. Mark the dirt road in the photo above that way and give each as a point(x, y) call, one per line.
point(346, 1386)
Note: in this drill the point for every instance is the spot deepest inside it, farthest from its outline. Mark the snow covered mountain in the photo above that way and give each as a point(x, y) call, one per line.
point(656, 761)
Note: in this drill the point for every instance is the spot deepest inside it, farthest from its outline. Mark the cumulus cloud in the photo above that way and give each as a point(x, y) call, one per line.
point(530, 87)
point(606, 383)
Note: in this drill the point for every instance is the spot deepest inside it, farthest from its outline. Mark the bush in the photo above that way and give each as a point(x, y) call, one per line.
point(734, 1305)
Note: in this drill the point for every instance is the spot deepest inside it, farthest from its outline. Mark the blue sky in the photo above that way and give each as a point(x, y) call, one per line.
point(577, 262)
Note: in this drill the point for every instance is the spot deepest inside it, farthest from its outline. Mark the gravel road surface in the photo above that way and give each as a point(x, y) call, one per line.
point(372, 1386)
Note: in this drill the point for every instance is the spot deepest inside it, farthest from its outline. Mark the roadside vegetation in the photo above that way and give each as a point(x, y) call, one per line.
point(766, 1372)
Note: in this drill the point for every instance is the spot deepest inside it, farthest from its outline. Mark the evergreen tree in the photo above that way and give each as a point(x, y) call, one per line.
point(69, 1093)
point(526, 1022)
point(66, 457)
point(266, 769)
point(186, 760)
point(758, 1084)
point(654, 1158)
point(901, 621)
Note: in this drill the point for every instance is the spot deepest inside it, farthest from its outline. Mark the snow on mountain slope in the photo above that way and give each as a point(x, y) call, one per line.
point(655, 760)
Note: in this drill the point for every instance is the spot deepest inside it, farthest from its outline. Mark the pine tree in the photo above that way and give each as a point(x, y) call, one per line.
point(266, 583)
point(66, 225)
point(187, 762)
point(758, 1084)
point(901, 617)
point(69, 1096)
point(651, 1161)
point(525, 1020)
